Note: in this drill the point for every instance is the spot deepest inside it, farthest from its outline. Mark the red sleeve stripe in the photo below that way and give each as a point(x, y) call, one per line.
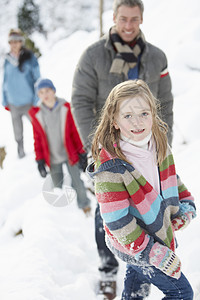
point(185, 194)
point(112, 196)
point(140, 195)
point(164, 73)
point(170, 171)
point(172, 245)
point(137, 243)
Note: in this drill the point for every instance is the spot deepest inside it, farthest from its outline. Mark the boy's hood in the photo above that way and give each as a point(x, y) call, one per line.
point(105, 163)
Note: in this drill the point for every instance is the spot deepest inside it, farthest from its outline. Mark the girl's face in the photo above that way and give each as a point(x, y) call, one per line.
point(134, 118)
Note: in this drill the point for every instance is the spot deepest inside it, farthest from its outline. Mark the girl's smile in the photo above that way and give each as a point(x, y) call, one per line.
point(139, 131)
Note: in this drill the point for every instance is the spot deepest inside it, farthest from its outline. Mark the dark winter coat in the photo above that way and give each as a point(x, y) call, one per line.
point(93, 82)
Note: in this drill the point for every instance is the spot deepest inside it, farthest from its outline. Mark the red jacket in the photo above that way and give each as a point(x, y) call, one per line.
point(71, 138)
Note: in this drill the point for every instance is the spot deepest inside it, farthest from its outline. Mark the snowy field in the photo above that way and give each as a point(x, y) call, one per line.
point(55, 258)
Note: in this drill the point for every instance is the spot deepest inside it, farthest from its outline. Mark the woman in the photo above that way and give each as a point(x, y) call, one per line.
point(21, 71)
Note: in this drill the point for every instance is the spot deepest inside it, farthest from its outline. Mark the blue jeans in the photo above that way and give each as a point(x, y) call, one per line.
point(57, 178)
point(138, 280)
point(109, 264)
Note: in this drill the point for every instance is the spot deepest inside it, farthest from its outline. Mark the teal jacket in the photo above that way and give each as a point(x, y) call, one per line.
point(18, 85)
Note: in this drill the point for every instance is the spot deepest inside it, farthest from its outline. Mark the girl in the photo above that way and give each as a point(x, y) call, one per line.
point(142, 200)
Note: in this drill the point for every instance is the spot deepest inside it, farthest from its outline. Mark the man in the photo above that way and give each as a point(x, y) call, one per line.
point(120, 55)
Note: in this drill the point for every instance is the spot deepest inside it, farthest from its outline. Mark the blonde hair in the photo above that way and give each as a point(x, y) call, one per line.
point(106, 135)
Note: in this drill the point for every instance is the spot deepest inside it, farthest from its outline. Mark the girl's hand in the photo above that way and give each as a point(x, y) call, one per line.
point(182, 222)
point(165, 260)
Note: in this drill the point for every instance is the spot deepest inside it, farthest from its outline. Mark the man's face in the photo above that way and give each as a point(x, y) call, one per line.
point(127, 21)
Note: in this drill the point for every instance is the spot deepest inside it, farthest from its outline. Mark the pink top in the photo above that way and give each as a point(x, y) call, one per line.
point(143, 160)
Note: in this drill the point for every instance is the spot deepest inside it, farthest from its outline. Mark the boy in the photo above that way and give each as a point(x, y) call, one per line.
point(56, 140)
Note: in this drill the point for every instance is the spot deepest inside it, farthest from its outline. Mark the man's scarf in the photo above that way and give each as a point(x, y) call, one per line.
point(127, 56)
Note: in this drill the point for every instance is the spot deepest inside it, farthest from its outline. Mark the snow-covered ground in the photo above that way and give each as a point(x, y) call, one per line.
point(56, 257)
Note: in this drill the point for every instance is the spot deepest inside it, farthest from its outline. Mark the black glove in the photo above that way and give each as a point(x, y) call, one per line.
point(83, 161)
point(41, 167)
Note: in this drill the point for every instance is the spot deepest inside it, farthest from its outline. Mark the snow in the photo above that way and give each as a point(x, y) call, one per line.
point(56, 257)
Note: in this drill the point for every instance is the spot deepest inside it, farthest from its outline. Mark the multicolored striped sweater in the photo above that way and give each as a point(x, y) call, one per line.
point(135, 215)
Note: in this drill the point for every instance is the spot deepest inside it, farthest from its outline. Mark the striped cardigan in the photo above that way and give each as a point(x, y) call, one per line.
point(135, 215)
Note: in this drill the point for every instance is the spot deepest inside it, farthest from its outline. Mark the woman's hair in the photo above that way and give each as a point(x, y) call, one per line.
point(107, 136)
point(25, 54)
point(16, 35)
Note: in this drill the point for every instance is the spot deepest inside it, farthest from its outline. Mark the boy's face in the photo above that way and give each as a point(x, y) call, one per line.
point(47, 96)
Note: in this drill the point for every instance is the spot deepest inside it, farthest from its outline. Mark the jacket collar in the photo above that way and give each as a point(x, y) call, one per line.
point(107, 162)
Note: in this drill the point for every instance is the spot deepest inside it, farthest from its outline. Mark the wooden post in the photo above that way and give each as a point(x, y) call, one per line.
point(100, 17)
